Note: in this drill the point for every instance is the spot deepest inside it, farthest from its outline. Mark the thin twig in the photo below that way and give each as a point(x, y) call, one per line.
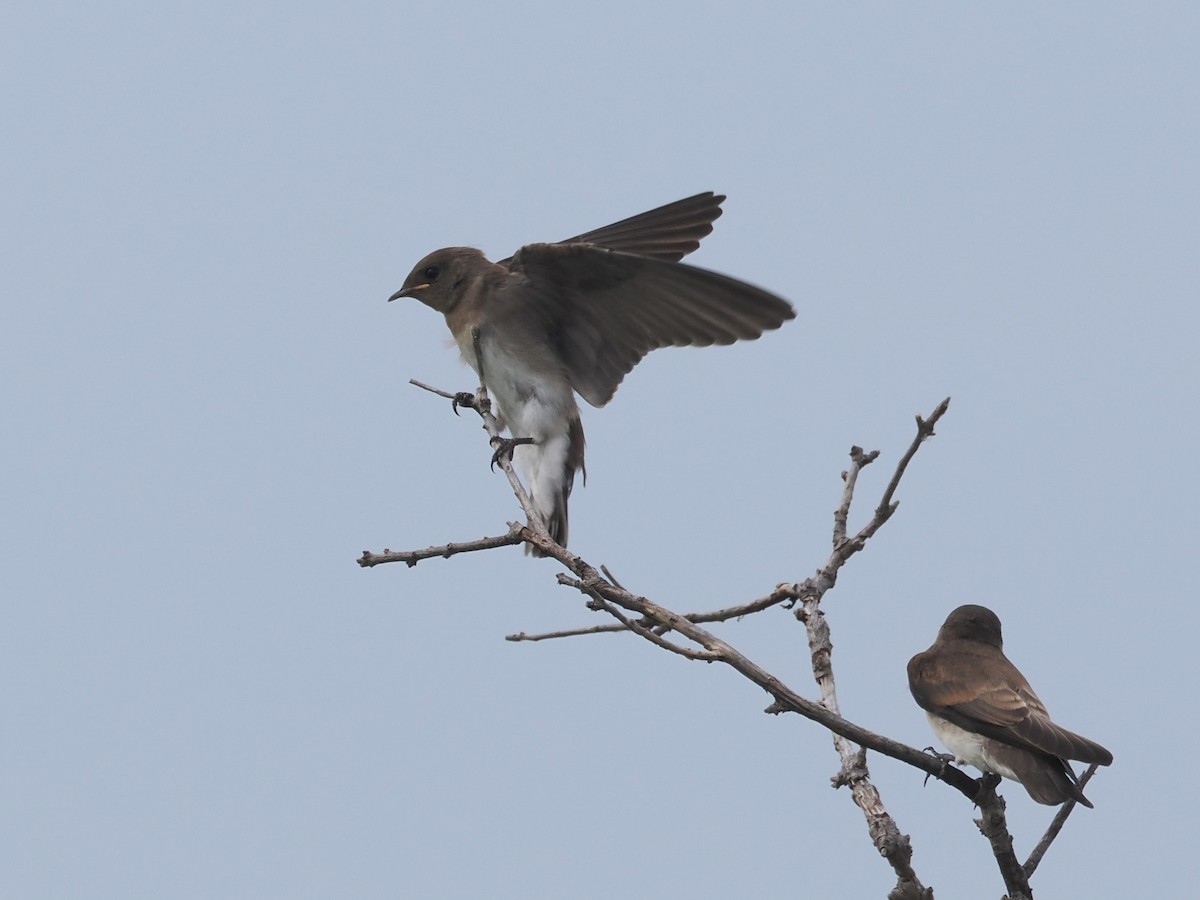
point(781, 594)
point(609, 575)
point(846, 547)
point(599, 603)
point(1056, 825)
point(858, 460)
point(412, 557)
point(924, 432)
point(425, 387)
point(611, 628)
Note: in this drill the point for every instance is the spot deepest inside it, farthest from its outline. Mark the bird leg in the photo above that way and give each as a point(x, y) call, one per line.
point(481, 401)
point(506, 446)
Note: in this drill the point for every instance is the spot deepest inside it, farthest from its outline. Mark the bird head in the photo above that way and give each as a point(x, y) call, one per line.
point(437, 279)
point(975, 623)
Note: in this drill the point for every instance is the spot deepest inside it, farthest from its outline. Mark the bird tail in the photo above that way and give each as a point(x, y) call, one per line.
point(1049, 779)
point(1054, 783)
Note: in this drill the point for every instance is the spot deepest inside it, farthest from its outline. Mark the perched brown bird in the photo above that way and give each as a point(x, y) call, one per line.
point(984, 711)
point(575, 317)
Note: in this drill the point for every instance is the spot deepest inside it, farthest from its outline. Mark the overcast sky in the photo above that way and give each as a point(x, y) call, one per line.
point(206, 419)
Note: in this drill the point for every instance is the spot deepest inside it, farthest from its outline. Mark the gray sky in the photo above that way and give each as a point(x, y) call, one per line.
point(207, 420)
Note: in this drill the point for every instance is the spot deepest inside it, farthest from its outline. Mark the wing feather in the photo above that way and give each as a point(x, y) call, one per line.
point(606, 309)
point(1003, 707)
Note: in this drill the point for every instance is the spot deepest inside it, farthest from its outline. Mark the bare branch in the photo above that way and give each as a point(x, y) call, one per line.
point(612, 628)
point(599, 603)
point(609, 575)
point(425, 387)
point(850, 478)
point(924, 432)
point(894, 846)
point(651, 621)
point(844, 547)
point(592, 583)
point(412, 557)
point(781, 594)
point(994, 827)
point(992, 822)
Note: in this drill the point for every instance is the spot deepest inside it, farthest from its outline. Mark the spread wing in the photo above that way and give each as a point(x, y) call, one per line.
point(996, 701)
point(606, 309)
point(669, 232)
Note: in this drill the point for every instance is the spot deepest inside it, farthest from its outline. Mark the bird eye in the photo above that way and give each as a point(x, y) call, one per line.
point(430, 273)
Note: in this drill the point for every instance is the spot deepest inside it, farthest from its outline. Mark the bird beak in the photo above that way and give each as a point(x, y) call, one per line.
point(407, 291)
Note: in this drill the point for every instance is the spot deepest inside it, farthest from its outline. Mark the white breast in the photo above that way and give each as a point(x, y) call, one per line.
point(968, 747)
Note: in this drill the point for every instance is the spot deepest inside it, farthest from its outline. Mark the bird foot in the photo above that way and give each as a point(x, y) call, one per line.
point(987, 783)
point(944, 758)
point(462, 398)
point(478, 401)
point(506, 446)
